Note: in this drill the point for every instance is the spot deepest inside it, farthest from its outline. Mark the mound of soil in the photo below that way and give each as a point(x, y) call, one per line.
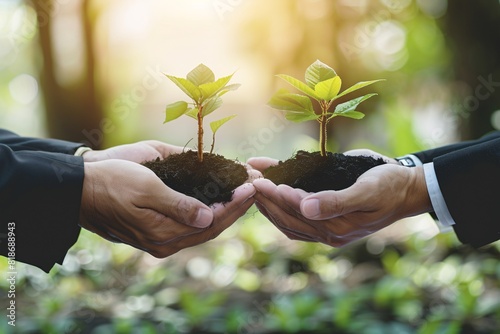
point(211, 181)
point(311, 172)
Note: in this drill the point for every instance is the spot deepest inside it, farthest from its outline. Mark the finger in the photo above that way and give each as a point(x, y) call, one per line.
point(220, 225)
point(181, 208)
point(241, 200)
point(262, 163)
point(265, 186)
point(372, 192)
point(370, 153)
point(222, 221)
point(272, 192)
point(243, 192)
point(293, 235)
point(331, 204)
point(285, 220)
point(292, 196)
point(120, 236)
point(266, 190)
point(161, 230)
point(164, 149)
point(363, 152)
point(253, 174)
point(263, 210)
point(168, 232)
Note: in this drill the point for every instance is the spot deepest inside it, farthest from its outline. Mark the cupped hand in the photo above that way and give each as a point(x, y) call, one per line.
point(137, 152)
point(126, 202)
point(369, 153)
point(146, 150)
point(379, 197)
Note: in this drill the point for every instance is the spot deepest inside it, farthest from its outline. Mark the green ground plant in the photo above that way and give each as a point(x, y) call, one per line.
point(205, 92)
point(322, 84)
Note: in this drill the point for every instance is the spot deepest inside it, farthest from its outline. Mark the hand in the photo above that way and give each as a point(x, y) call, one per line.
point(379, 197)
point(146, 151)
point(373, 154)
point(137, 152)
point(126, 202)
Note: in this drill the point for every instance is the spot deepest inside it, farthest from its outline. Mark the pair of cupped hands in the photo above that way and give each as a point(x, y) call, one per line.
point(123, 201)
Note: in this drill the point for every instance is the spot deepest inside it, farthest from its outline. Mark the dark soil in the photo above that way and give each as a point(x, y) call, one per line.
point(311, 172)
point(211, 181)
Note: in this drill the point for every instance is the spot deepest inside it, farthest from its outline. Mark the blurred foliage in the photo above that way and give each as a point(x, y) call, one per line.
point(251, 279)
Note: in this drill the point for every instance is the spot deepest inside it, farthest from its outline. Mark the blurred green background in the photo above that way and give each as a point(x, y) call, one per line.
point(91, 71)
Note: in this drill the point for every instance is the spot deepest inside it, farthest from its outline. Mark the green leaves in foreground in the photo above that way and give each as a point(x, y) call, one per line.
point(205, 92)
point(203, 89)
point(323, 85)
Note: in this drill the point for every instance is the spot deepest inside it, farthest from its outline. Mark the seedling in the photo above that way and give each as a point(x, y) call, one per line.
point(205, 93)
point(323, 85)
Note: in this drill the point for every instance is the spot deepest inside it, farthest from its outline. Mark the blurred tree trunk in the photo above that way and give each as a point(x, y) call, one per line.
point(474, 31)
point(72, 111)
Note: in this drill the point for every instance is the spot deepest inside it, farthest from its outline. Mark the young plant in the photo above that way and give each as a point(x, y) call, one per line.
point(323, 85)
point(205, 93)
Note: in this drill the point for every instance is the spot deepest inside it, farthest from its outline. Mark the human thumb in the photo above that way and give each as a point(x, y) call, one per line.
point(330, 204)
point(182, 208)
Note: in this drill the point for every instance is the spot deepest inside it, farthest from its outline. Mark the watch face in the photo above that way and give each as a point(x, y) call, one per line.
point(407, 162)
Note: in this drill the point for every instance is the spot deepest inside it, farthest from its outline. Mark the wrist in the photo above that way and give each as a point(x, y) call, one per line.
point(87, 196)
point(419, 197)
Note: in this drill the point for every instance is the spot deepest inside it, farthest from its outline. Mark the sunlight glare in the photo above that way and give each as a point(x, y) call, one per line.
point(23, 88)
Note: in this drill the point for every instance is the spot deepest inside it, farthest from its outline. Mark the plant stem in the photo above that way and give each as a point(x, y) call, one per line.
point(213, 144)
point(200, 134)
point(323, 121)
point(322, 135)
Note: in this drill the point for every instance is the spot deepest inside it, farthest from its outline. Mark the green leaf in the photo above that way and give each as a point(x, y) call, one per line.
point(347, 109)
point(175, 110)
point(352, 114)
point(200, 75)
point(186, 86)
point(228, 88)
point(208, 90)
point(193, 113)
point(284, 100)
point(211, 105)
point(357, 86)
point(215, 125)
point(299, 85)
point(299, 117)
point(328, 89)
point(318, 72)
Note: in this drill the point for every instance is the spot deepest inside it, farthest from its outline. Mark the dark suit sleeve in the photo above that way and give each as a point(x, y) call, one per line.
point(469, 177)
point(429, 155)
point(40, 194)
point(17, 143)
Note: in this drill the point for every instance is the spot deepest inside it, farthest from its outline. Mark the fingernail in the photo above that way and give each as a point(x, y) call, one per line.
point(310, 208)
point(203, 219)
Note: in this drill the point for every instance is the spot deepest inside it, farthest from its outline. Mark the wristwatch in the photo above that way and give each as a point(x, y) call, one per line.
point(409, 160)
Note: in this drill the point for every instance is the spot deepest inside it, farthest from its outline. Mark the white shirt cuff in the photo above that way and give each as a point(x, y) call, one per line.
point(79, 152)
point(437, 199)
